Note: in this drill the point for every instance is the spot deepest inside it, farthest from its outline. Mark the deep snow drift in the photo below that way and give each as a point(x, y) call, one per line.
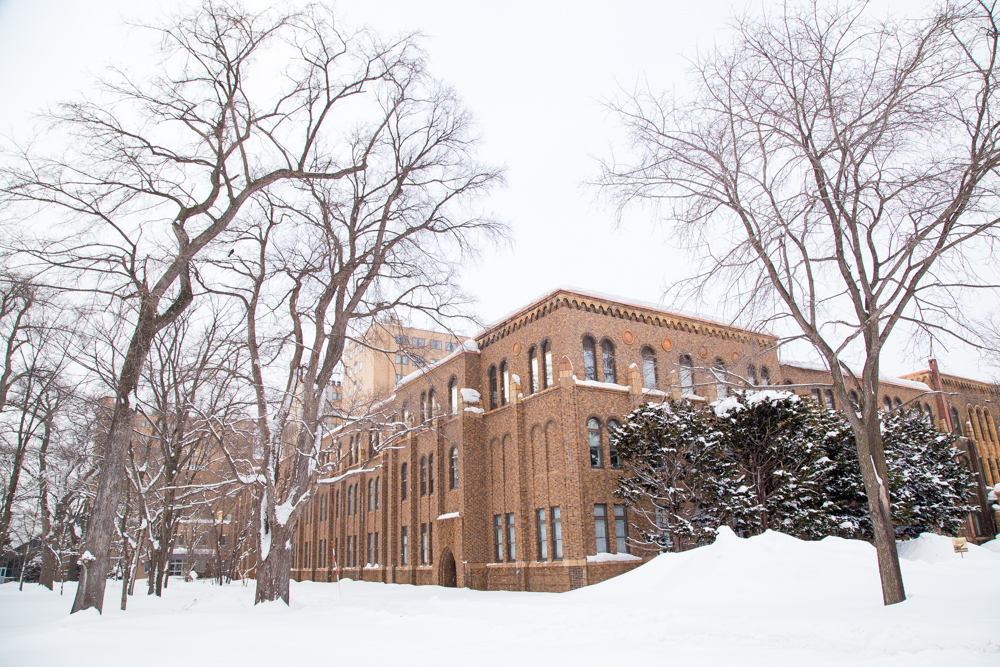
point(769, 600)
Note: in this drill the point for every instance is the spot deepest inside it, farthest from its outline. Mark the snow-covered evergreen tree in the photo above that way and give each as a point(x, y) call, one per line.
point(774, 441)
point(929, 486)
point(669, 451)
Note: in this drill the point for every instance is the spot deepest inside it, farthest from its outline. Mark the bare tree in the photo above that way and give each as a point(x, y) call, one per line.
point(318, 267)
point(837, 172)
point(155, 169)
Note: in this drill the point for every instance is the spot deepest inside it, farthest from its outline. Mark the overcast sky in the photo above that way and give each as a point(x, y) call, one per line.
point(534, 75)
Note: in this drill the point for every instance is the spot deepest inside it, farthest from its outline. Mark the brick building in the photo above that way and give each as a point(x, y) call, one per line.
point(492, 468)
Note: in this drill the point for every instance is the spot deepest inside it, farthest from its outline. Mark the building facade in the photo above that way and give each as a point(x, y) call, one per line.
point(492, 468)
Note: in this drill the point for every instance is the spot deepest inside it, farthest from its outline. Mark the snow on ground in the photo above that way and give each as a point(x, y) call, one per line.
point(769, 600)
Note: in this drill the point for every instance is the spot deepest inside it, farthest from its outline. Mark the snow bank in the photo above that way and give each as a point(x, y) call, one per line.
point(931, 548)
point(770, 600)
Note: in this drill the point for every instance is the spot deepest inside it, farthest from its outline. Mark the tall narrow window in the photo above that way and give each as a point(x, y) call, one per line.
point(897, 403)
point(589, 359)
point(423, 544)
point(828, 399)
point(453, 468)
point(350, 500)
point(547, 363)
point(752, 374)
point(368, 551)
point(404, 547)
point(648, 368)
point(853, 395)
point(613, 459)
point(404, 482)
point(608, 361)
point(956, 423)
point(305, 555)
point(376, 558)
point(765, 376)
point(511, 550)
point(887, 402)
point(453, 396)
point(557, 551)
point(543, 539)
point(430, 473)
point(423, 475)
point(621, 530)
point(371, 495)
point(533, 380)
point(594, 438)
point(372, 441)
point(336, 504)
point(423, 407)
point(493, 387)
point(498, 537)
point(601, 528)
point(322, 507)
point(504, 383)
point(430, 544)
point(687, 375)
point(378, 493)
point(719, 372)
point(431, 407)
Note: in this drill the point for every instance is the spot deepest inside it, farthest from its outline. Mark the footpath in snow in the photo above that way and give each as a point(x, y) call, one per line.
point(769, 600)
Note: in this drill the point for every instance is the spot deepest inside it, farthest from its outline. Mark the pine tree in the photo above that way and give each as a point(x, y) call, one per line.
point(774, 441)
point(669, 451)
point(929, 486)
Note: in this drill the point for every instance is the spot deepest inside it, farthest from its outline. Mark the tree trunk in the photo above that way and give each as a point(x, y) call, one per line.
point(101, 526)
point(876, 478)
point(47, 576)
point(275, 572)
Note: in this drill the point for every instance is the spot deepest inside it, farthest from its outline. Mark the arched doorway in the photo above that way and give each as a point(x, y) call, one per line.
point(447, 574)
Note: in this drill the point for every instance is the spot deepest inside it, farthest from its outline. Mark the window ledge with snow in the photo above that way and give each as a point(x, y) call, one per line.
point(607, 558)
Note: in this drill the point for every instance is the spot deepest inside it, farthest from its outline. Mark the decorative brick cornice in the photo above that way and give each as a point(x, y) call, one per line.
point(563, 298)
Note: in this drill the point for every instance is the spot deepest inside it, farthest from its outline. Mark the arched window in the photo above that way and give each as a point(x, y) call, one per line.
point(613, 459)
point(453, 468)
point(378, 493)
point(453, 395)
point(956, 423)
point(430, 404)
point(687, 375)
point(547, 363)
point(887, 402)
point(752, 374)
point(828, 399)
point(928, 414)
point(648, 368)
point(504, 383)
point(589, 359)
point(371, 495)
point(594, 438)
point(533, 379)
point(423, 407)
point(719, 371)
point(371, 444)
point(404, 482)
point(855, 401)
point(423, 475)
point(493, 387)
point(350, 500)
point(896, 403)
point(430, 473)
point(765, 376)
point(608, 361)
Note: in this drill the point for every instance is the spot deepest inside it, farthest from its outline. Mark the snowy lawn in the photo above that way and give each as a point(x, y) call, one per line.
point(770, 600)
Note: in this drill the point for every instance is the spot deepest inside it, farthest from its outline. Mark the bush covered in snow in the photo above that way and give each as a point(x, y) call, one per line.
point(769, 460)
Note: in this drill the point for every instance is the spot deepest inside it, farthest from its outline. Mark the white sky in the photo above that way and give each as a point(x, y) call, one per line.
point(532, 73)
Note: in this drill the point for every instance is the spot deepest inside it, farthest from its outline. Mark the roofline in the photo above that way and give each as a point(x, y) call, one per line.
point(614, 299)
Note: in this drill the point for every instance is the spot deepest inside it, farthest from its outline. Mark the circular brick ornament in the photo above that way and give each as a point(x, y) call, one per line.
point(667, 344)
point(628, 337)
point(703, 352)
point(517, 348)
point(736, 356)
